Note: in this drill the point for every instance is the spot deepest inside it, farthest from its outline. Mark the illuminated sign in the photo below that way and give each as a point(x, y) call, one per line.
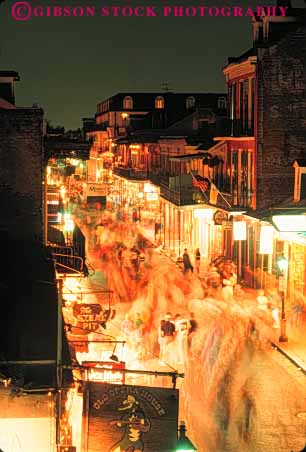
point(97, 190)
point(290, 223)
point(114, 411)
point(149, 188)
point(239, 230)
point(220, 217)
point(203, 213)
point(105, 372)
point(88, 316)
point(152, 196)
point(266, 239)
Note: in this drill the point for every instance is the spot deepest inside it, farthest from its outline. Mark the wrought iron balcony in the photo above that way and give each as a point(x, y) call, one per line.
point(182, 196)
point(130, 173)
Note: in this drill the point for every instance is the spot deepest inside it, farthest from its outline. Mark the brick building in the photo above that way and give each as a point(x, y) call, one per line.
point(266, 132)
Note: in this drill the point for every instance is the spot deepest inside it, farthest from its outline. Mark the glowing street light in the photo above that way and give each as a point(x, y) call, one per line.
point(183, 443)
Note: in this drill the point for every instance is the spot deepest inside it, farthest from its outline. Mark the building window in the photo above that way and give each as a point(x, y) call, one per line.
point(128, 103)
point(222, 103)
point(159, 102)
point(190, 102)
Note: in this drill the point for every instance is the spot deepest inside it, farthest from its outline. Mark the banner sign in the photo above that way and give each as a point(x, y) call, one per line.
point(130, 418)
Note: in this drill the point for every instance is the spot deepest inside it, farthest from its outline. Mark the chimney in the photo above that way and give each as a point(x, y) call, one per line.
point(7, 82)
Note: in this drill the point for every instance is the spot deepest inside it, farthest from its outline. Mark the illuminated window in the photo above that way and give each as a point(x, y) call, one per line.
point(128, 103)
point(159, 102)
point(190, 102)
point(221, 103)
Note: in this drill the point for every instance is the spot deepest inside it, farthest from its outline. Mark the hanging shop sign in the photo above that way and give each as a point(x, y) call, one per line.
point(124, 417)
point(97, 190)
point(227, 225)
point(88, 316)
point(239, 230)
point(219, 217)
point(266, 239)
point(152, 196)
point(105, 372)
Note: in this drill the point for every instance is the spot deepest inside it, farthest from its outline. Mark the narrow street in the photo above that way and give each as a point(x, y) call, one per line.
point(239, 393)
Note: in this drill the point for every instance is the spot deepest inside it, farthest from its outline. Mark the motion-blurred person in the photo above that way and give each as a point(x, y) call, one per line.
point(181, 336)
point(197, 261)
point(168, 334)
point(138, 333)
point(274, 302)
point(186, 262)
point(262, 300)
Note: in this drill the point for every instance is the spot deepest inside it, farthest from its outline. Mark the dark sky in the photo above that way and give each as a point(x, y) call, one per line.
point(68, 64)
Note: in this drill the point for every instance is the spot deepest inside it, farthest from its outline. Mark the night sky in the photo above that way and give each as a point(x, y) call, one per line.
point(68, 64)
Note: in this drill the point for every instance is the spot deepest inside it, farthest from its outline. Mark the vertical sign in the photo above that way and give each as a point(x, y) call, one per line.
point(266, 239)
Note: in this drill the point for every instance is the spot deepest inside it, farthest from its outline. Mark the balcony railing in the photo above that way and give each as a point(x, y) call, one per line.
point(158, 179)
point(182, 196)
point(236, 128)
point(130, 173)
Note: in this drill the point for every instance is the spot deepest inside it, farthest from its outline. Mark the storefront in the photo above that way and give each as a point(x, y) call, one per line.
point(192, 227)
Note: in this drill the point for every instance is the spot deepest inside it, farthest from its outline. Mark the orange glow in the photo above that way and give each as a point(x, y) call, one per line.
point(74, 409)
point(27, 434)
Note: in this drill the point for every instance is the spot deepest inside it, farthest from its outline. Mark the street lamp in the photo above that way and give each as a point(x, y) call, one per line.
point(183, 443)
point(282, 266)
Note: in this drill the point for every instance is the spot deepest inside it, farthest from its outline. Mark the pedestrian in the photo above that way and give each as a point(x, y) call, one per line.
point(127, 327)
point(262, 300)
point(99, 231)
point(156, 229)
point(134, 216)
point(181, 328)
point(119, 256)
point(274, 304)
point(229, 280)
point(134, 256)
point(167, 333)
point(197, 257)
point(138, 333)
point(193, 326)
point(186, 262)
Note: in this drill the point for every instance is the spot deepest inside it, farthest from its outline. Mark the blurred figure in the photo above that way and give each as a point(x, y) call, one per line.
point(99, 231)
point(182, 326)
point(274, 302)
point(262, 300)
point(138, 334)
point(167, 333)
point(193, 326)
point(127, 327)
point(186, 262)
point(238, 292)
point(134, 256)
point(229, 280)
point(197, 261)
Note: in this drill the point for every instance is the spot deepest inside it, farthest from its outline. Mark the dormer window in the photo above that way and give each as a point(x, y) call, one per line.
point(159, 102)
point(128, 103)
point(221, 103)
point(190, 102)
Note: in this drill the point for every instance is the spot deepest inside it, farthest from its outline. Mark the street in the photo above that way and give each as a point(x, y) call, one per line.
point(239, 393)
